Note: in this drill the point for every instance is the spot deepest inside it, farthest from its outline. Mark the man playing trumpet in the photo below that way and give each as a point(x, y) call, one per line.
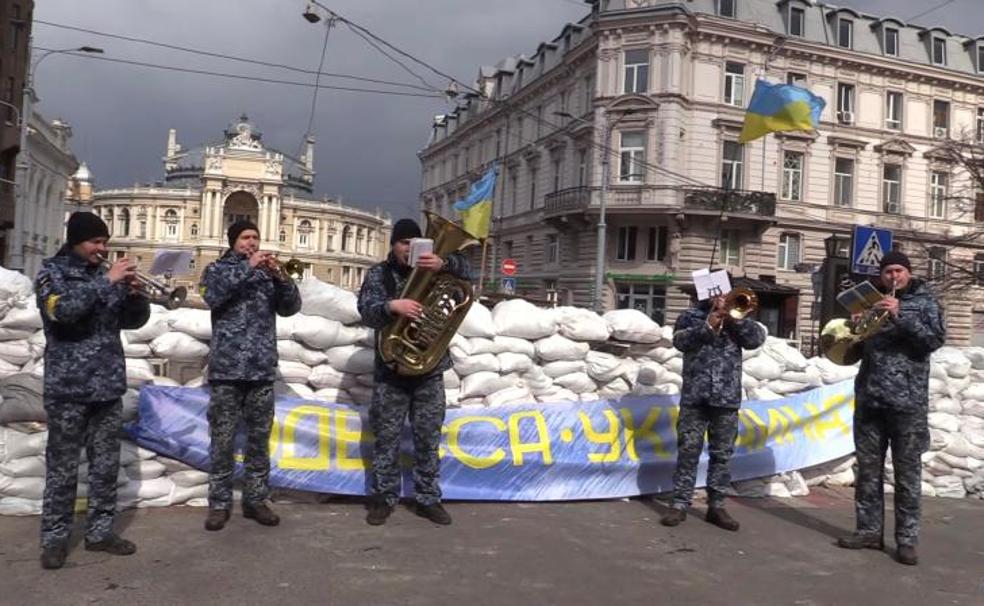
point(711, 340)
point(83, 308)
point(246, 292)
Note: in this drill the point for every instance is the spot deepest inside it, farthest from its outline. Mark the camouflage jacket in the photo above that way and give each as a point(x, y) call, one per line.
point(245, 302)
point(82, 315)
point(383, 283)
point(895, 366)
point(712, 362)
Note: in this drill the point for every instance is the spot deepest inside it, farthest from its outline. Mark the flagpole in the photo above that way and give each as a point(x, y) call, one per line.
point(481, 278)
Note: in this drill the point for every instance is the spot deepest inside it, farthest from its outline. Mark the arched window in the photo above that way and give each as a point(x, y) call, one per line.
point(304, 233)
point(125, 222)
point(788, 251)
point(171, 223)
point(346, 238)
point(194, 230)
point(283, 235)
point(108, 219)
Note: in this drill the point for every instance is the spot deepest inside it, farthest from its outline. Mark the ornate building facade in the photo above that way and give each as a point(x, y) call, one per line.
point(637, 109)
point(206, 189)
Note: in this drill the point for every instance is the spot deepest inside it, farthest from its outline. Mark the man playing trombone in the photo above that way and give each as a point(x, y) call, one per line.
point(711, 339)
point(892, 407)
point(245, 291)
point(84, 305)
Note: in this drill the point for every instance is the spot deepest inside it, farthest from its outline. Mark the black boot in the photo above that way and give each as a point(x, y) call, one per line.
point(435, 513)
point(216, 519)
point(861, 541)
point(53, 556)
point(379, 512)
point(113, 544)
point(907, 555)
point(674, 517)
point(262, 513)
point(720, 517)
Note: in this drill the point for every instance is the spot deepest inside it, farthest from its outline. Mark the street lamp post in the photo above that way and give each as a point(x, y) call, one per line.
point(16, 257)
point(596, 298)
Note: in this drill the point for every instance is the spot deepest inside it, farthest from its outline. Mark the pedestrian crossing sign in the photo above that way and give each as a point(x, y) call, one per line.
point(869, 246)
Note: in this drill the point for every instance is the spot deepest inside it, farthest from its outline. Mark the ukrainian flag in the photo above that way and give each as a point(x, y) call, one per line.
point(476, 209)
point(780, 107)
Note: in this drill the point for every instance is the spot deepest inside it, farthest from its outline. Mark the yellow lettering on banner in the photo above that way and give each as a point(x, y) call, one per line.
point(794, 418)
point(345, 436)
point(610, 438)
point(818, 426)
point(752, 431)
point(319, 462)
point(644, 432)
point(778, 422)
point(541, 445)
point(474, 461)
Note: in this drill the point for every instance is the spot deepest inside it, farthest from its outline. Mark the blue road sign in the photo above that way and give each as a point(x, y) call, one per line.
point(508, 285)
point(868, 247)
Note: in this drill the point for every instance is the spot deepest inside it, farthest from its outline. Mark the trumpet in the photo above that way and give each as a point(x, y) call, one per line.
point(154, 290)
point(292, 269)
point(741, 303)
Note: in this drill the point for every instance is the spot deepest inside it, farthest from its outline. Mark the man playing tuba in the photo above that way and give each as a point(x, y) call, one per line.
point(394, 396)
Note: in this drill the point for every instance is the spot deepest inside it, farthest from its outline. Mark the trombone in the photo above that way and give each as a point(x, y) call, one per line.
point(154, 290)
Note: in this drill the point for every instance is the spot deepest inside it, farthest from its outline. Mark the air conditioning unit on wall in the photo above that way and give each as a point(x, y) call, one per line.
point(846, 117)
point(940, 132)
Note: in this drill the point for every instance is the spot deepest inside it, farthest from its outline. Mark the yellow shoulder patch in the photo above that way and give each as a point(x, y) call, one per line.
point(49, 306)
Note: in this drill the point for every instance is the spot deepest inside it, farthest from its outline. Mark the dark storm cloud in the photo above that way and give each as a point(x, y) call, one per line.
point(366, 144)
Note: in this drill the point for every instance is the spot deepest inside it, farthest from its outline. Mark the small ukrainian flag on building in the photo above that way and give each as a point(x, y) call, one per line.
point(780, 107)
point(476, 208)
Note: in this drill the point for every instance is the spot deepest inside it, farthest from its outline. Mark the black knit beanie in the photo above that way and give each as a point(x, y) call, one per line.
point(239, 227)
point(83, 226)
point(894, 257)
point(404, 229)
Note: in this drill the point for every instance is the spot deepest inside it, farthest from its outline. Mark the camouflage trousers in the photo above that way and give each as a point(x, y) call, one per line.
point(251, 401)
point(721, 426)
point(907, 433)
point(72, 426)
point(423, 400)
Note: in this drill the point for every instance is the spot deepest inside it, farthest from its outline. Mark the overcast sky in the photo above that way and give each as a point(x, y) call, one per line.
point(366, 143)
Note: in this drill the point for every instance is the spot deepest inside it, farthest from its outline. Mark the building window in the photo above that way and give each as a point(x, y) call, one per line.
point(937, 263)
point(938, 183)
point(792, 176)
point(726, 8)
point(941, 119)
point(788, 251)
point(732, 165)
point(125, 222)
point(143, 230)
point(845, 103)
point(532, 188)
point(845, 33)
point(892, 189)
point(553, 249)
point(636, 71)
point(283, 236)
point(650, 299)
point(171, 223)
point(891, 41)
point(979, 208)
point(656, 247)
point(304, 233)
point(582, 168)
point(632, 156)
point(980, 125)
point(626, 244)
point(939, 50)
point(513, 190)
point(796, 79)
point(843, 181)
point(558, 174)
point(734, 83)
point(588, 95)
point(729, 252)
point(797, 21)
point(979, 269)
point(980, 58)
point(194, 230)
point(8, 95)
point(893, 110)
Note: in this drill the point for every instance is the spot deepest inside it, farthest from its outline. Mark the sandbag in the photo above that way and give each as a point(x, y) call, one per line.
point(557, 347)
point(17, 506)
point(144, 490)
point(300, 390)
point(481, 384)
point(352, 359)
point(16, 352)
point(577, 382)
point(138, 372)
point(763, 368)
point(603, 367)
point(515, 345)
point(579, 324)
point(25, 488)
point(564, 367)
point(24, 467)
point(781, 352)
point(145, 470)
point(21, 399)
point(156, 326)
point(663, 354)
point(514, 362)
point(451, 379)
point(293, 372)
point(481, 345)
point(477, 363)
point(328, 301)
point(477, 323)
point(519, 318)
point(956, 364)
point(194, 322)
point(633, 326)
point(179, 346)
point(324, 376)
point(293, 351)
point(316, 332)
point(14, 285)
point(333, 394)
point(509, 395)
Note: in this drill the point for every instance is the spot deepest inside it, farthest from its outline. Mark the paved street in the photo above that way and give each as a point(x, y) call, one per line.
point(570, 553)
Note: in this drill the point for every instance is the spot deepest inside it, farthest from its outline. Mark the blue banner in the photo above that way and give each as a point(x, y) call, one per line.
point(522, 452)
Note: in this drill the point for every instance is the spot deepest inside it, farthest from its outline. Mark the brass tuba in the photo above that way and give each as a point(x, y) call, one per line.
point(741, 303)
point(842, 340)
point(414, 347)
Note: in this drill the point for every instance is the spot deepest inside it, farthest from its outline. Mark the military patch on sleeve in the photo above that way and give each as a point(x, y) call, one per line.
point(43, 281)
point(201, 290)
point(49, 306)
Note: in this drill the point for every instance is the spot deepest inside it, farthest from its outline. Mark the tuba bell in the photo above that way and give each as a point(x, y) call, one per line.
point(414, 347)
point(842, 340)
point(741, 303)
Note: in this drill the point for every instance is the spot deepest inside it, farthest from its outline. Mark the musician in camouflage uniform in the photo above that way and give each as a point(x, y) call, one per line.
point(711, 342)
point(394, 397)
point(891, 408)
point(245, 294)
point(83, 308)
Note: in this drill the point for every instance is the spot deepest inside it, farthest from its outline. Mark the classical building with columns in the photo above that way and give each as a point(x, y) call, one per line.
point(207, 188)
point(629, 120)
